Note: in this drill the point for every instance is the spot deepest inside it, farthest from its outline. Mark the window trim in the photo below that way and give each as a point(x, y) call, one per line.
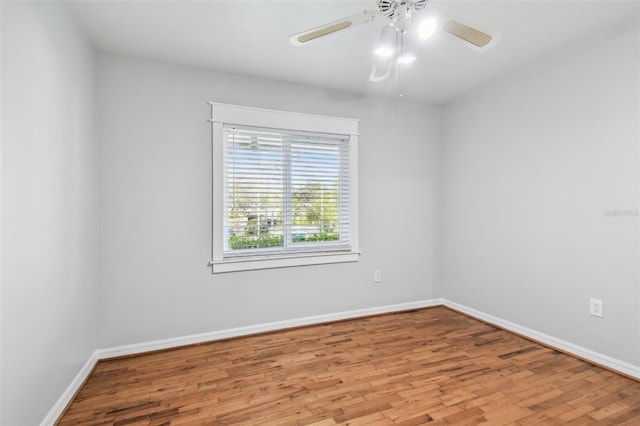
point(222, 114)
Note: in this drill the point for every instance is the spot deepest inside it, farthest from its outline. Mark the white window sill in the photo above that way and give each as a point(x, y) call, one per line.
point(253, 263)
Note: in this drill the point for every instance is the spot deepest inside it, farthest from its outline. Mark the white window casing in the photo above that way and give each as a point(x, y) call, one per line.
point(284, 187)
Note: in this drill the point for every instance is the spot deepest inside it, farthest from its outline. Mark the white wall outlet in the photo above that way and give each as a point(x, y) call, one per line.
point(595, 307)
point(377, 276)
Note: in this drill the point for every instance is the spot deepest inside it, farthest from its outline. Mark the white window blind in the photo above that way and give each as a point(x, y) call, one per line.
point(285, 192)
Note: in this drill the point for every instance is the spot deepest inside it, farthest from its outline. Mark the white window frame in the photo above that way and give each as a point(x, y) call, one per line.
point(222, 114)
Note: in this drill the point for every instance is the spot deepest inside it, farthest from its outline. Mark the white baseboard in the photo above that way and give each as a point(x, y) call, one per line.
point(562, 345)
point(70, 392)
point(259, 328)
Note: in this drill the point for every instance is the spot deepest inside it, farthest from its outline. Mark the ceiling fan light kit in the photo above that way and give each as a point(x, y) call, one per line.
point(391, 47)
point(427, 28)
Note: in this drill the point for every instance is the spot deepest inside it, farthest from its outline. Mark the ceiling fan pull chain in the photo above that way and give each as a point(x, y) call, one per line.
point(400, 50)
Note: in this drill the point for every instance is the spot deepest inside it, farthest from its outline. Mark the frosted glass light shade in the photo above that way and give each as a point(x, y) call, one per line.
point(427, 27)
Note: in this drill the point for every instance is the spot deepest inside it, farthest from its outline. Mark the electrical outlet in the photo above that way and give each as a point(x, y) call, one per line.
point(595, 307)
point(377, 276)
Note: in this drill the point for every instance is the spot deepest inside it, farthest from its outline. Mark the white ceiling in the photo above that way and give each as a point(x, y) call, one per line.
point(251, 38)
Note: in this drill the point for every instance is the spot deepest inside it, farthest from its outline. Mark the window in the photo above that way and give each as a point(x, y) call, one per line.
point(284, 188)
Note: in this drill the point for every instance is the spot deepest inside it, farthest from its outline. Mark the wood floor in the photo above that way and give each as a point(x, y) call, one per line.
point(430, 366)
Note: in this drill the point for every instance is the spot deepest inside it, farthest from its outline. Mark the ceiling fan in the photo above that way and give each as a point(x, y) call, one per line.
point(393, 44)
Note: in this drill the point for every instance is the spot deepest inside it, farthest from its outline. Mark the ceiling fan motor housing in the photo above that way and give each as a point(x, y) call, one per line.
point(388, 8)
point(400, 11)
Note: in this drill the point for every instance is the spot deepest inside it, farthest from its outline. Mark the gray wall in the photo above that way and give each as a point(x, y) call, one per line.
point(49, 202)
point(155, 208)
point(532, 164)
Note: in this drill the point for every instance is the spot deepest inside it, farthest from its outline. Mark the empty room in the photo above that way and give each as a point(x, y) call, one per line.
point(320, 212)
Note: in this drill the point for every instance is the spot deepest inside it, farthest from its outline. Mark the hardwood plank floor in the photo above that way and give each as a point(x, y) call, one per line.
point(429, 366)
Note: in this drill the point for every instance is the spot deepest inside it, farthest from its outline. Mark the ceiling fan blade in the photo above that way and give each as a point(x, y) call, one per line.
point(381, 69)
point(333, 27)
point(474, 38)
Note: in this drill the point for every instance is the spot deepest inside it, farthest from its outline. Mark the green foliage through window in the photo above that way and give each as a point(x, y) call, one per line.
point(241, 242)
point(316, 238)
